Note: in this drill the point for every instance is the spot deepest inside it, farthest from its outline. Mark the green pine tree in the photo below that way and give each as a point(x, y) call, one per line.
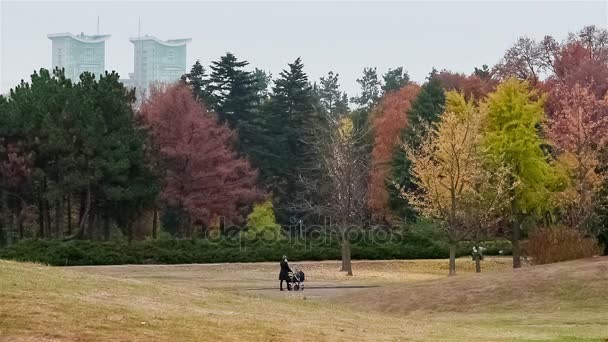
point(334, 102)
point(198, 79)
point(233, 90)
point(395, 79)
point(289, 116)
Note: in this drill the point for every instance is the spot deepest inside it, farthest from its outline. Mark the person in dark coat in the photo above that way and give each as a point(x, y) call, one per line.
point(284, 274)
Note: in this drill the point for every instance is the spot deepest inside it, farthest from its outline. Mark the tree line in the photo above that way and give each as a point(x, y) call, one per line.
point(491, 153)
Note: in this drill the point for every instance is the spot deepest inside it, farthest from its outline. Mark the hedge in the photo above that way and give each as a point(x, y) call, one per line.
point(183, 251)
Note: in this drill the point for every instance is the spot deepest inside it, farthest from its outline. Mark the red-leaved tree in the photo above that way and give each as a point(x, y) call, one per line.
point(579, 130)
point(203, 175)
point(389, 119)
point(472, 86)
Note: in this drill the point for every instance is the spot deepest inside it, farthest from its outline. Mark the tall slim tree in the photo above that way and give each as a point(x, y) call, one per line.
point(425, 111)
point(339, 186)
point(290, 118)
point(388, 120)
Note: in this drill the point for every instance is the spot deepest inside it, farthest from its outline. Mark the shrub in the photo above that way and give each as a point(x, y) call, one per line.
point(554, 244)
point(262, 219)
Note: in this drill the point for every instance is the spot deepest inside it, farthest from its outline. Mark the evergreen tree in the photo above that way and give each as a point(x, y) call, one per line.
point(483, 72)
point(394, 79)
point(370, 90)
point(236, 96)
point(86, 146)
point(333, 102)
point(198, 79)
point(233, 90)
point(262, 80)
point(426, 110)
point(289, 118)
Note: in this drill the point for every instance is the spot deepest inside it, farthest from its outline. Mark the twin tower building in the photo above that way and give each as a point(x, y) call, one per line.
point(155, 60)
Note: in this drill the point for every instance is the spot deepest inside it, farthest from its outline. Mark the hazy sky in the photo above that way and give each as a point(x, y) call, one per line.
point(340, 36)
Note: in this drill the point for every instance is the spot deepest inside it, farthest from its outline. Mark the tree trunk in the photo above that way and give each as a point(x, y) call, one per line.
point(4, 226)
point(155, 224)
point(130, 237)
point(84, 214)
point(40, 219)
point(343, 257)
point(515, 245)
point(59, 222)
point(20, 219)
point(452, 265)
point(69, 212)
point(106, 226)
point(47, 220)
point(346, 262)
point(477, 257)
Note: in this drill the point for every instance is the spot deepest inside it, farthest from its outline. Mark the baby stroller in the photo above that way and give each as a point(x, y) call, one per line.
point(296, 279)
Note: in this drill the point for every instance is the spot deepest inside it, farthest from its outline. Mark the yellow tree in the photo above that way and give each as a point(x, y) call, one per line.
point(448, 169)
point(511, 140)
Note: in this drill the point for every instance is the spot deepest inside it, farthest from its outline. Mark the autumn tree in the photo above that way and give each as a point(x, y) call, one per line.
point(202, 173)
point(452, 185)
point(528, 59)
point(389, 118)
point(512, 141)
point(579, 131)
point(474, 87)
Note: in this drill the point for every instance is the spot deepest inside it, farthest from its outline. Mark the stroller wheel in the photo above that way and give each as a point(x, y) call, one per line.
point(296, 287)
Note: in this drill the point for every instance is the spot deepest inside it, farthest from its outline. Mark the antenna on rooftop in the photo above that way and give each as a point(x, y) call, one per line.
point(98, 25)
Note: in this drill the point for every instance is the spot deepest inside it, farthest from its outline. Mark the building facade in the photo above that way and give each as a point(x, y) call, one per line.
point(157, 61)
point(78, 53)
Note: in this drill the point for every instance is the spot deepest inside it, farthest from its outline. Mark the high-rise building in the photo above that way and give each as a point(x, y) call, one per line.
point(79, 53)
point(158, 61)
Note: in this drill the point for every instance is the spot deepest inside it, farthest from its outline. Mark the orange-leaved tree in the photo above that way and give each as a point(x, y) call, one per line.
point(388, 120)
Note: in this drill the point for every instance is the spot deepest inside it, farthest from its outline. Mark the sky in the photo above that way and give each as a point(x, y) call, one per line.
point(341, 36)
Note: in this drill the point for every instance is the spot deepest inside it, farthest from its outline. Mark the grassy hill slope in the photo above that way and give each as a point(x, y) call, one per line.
point(567, 286)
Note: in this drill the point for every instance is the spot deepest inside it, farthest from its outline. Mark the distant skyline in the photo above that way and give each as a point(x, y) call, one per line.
point(343, 37)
